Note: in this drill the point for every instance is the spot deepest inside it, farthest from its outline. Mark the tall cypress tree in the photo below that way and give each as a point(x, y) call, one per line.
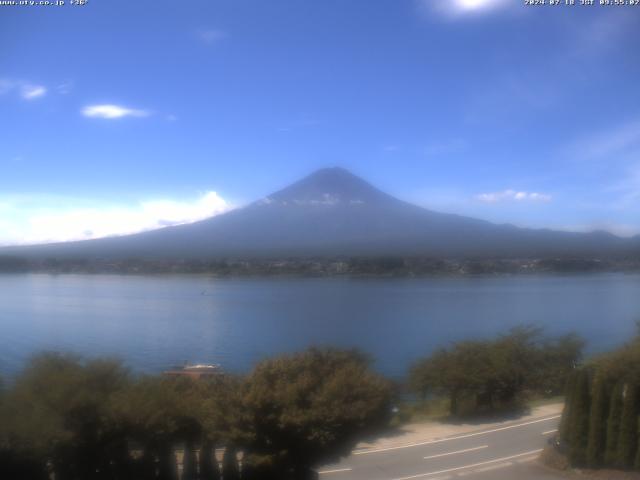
point(209, 469)
point(565, 421)
point(636, 463)
point(230, 469)
point(579, 426)
point(628, 437)
point(189, 462)
point(167, 467)
point(613, 424)
point(598, 423)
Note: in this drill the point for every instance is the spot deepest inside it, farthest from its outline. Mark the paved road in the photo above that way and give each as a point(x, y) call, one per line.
point(505, 452)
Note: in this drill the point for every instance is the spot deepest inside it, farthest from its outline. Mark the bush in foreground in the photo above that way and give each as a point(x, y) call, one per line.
point(312, 407)
point(483, 376)
point(84, 420)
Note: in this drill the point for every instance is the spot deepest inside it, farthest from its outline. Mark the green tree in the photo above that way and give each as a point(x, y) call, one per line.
point(217, 407)
point(189, 462)
point(58, 410)
point(559, 357)
point(636, 462)
point(209, 469)
point(517, 357)
point(230, 469)
point(498, 374)
point(566, 421)
point(579, 427)
point(613, 424)
point(156, 413)
point(312, 407)
point(598, 423)
point(628, 437)
point(442, 374)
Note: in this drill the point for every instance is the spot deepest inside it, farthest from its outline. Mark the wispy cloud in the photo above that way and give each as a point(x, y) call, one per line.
point(621, 140)
point(112, 112)
point(31, 92)
point(211, 36)
point(611, 160)
point(513, 196)
point(26, 90)
point(65, 87)
point(627, 189)
point(46, 219)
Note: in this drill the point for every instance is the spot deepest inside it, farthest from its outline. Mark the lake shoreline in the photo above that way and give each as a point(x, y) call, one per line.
point(357, 267)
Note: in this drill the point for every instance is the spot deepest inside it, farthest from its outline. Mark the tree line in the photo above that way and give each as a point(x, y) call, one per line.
point(319, 266)
point(82, 419)
point(601, 421)
point(485, 376)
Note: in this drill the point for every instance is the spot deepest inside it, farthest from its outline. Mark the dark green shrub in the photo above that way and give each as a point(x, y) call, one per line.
point(628, 437)
point(579, 419)
point(613, 424)
point(598, 423)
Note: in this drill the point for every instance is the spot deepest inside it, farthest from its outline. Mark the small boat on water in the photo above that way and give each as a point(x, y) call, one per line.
point(195, 371)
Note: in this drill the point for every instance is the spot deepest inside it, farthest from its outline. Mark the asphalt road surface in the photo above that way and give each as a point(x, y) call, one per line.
point(505, 452)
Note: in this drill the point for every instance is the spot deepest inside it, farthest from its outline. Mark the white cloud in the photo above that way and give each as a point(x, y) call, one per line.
point(513, 196)
point(33, 220)
point(26, 90)
point(112, 111)
point(458, 8)
point(31, 92)
point(211, 36)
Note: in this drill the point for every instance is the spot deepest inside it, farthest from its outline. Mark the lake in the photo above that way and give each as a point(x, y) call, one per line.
point(153, 322)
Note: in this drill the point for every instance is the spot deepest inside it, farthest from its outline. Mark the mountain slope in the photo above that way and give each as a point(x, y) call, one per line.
point(332, 212)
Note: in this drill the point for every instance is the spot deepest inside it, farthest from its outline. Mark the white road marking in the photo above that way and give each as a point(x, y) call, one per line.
point(457, 451)
point(337, 470)
point(449, 439)
point(528, 459)
point(473, 465)
point(549, 431)
point(484, 469)
point(493, 467)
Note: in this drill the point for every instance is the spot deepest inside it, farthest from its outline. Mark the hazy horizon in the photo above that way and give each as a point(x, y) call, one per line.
point(199, 212)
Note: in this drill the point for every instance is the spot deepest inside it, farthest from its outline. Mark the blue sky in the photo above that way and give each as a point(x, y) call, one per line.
point(119, 116)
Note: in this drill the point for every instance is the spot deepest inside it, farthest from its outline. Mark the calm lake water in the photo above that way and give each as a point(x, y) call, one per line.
point(155, 322)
